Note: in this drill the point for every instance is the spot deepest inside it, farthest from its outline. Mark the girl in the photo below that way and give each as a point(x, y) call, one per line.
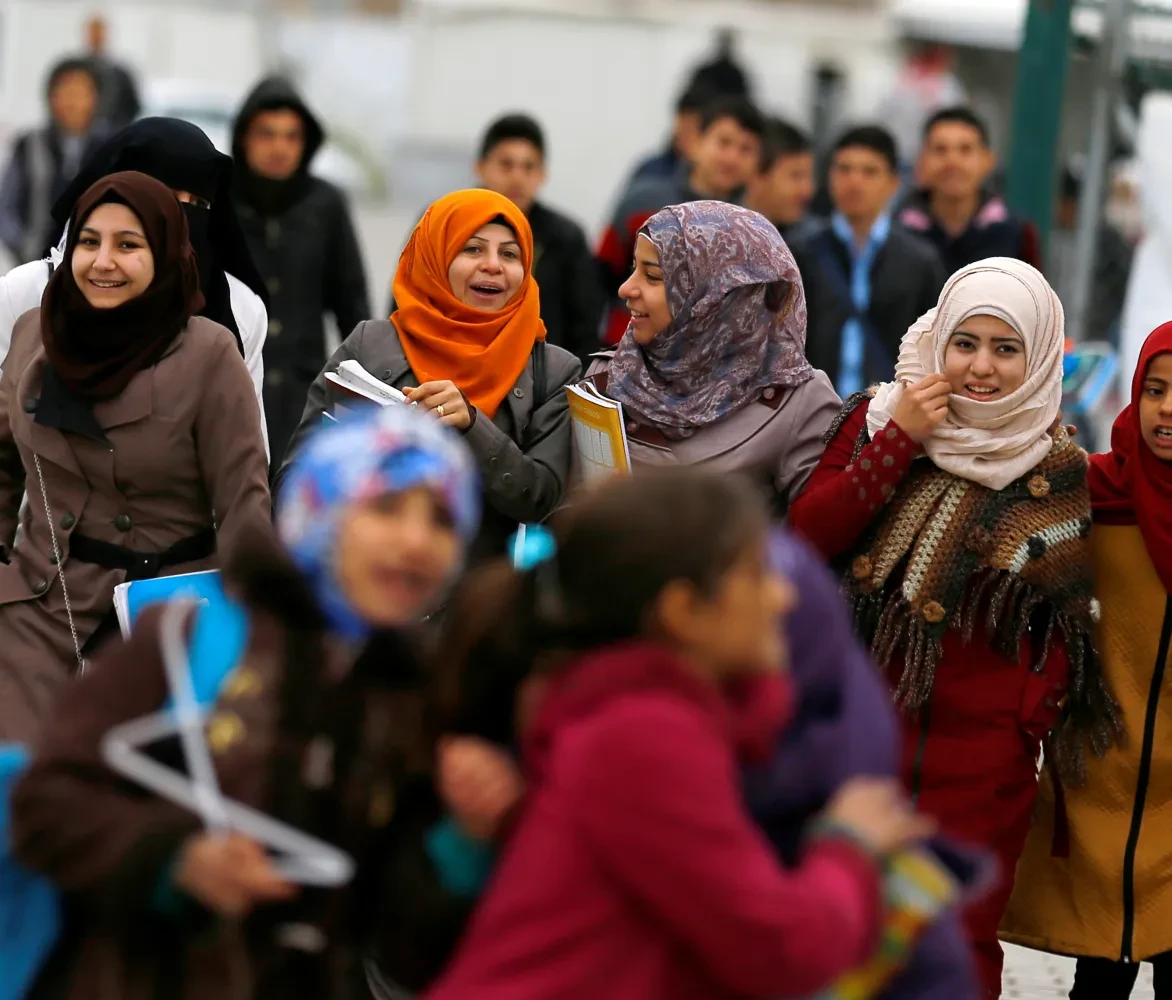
point(466, 343)
point(633, 870)
point(131, 423)
point(958, 506)
point(320, 724)
point(712, 368)
point(1093, 879)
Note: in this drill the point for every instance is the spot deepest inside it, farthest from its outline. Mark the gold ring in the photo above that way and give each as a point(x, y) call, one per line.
point(440, 409)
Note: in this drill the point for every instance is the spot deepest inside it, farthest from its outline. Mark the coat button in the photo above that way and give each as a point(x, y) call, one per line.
point(769, 393)
point(519, 393)
point(30, 404)
point(67, 521)
point(123, 523)
point(53, 558)
point(275, 327)
point(493, 463)
point(273, 285)
point(274, 378)
point(40, 587)
point(507, 479)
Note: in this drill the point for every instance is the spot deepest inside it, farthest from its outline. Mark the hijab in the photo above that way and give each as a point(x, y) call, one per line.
point(1129, 484)
point(482, 352)
point(388, 450)
point(996, 442)
point(96, 352)
point(182, 157)
point(738, 320)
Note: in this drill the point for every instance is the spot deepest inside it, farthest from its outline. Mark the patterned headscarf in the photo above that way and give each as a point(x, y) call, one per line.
point(394, 449)
point(738, 320)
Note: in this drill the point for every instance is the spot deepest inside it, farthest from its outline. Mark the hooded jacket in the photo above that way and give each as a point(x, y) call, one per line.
point(302, 239)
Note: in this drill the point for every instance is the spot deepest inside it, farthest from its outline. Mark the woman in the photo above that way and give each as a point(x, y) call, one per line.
point(466, 343)
point(131, 423)
point(1093, 879)
point(179, 155)
point(632, 869)
point(712, 368)
point(969, 566)
point(319, 725)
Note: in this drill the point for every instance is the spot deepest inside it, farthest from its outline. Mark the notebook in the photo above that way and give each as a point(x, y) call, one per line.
point(131, 598)
point(600, 437)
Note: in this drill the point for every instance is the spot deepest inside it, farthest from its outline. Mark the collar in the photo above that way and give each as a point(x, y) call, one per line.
point(880, 230)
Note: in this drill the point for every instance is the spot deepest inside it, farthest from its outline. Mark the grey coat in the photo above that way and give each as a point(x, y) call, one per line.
point(775, 440)
point(523, 452)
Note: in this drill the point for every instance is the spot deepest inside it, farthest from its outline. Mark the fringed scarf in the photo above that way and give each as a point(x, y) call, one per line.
point(949, 553)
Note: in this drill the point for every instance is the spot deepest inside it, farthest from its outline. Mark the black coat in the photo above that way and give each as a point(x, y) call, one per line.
point(567, 277)
point(303, 243)
point(906, 278)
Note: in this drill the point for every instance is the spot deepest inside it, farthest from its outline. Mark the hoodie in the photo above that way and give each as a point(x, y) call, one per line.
point(268, 196)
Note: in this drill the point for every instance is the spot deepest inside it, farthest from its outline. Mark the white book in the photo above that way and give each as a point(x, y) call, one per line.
point(355, 381)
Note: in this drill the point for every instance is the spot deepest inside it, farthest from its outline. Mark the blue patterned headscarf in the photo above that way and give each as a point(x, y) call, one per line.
point(389, 450)
point(738, 320)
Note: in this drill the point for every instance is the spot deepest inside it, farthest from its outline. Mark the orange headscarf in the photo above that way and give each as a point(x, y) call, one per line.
point(482, 352)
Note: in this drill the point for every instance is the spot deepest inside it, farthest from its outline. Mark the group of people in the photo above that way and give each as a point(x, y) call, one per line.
point(660, 756)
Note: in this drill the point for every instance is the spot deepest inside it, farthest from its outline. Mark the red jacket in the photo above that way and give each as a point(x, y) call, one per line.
point(969, 758)
point(634, 872)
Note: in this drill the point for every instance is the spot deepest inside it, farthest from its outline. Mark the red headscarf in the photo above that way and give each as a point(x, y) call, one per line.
point(96, 352)
point(1129, 484)
point(482, 352)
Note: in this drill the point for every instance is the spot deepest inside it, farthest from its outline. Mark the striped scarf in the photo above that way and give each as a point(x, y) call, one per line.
point(947, 552)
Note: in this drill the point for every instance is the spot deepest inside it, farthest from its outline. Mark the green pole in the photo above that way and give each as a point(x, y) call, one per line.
point(1037, 111)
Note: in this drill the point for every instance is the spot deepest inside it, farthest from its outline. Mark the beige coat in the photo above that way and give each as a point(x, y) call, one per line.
point(776, 440)
point(183, 439)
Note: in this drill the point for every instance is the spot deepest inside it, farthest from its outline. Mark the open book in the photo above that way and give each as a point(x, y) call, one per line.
point(600, 437)
point(352, 384)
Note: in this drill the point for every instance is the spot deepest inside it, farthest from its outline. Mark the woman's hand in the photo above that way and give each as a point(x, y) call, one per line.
point(445, 401)
point(229, 874)
point(923, 407)
point(879, 814)
point(479, 783)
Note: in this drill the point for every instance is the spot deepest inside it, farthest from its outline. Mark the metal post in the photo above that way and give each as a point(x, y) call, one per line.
point(1110, 62)
point(1037, 111)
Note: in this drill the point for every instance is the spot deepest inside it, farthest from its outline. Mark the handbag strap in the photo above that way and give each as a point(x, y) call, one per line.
point(58, 562)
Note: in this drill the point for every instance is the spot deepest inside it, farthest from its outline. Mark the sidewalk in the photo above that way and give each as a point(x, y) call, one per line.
point(1032, 975)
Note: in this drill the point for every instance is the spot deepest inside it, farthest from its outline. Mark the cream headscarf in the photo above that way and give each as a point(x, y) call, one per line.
point(989, 443)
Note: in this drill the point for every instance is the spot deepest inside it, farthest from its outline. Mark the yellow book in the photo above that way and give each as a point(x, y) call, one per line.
point(600, 439)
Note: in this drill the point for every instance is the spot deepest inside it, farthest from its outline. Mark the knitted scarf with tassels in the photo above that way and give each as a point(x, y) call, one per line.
point(946, 552)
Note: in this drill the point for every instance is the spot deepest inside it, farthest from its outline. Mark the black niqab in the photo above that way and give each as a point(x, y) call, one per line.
point(181, 156)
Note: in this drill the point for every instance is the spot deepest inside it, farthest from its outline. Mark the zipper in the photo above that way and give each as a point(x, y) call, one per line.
point(921, 747)
point(1141, 790)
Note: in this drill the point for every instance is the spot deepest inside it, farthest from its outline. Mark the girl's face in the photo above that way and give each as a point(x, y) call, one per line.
point(112, 262)
point(488, 271)
point(1155, 407)
point(396, 554)
point(646, 295)
point(985, 359)
point(737, 628)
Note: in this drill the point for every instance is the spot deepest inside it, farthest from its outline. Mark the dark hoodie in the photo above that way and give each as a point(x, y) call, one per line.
point(303, 242)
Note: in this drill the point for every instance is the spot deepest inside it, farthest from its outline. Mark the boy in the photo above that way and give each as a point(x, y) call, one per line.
point(953, 207)
point(867, 279)
point(783, 186)
point(726, 156)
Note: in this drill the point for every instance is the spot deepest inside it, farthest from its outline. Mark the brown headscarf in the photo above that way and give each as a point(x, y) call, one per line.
point(96, 352)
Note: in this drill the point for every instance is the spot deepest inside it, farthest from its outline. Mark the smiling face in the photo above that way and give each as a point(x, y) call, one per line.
point(489, 270)
point(646, 295)
point(1155, 407)
point(396, 555)
point(112, 262)
point(985, 359)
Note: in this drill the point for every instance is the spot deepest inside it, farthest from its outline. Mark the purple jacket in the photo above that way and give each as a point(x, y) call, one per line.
point(844, 726)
